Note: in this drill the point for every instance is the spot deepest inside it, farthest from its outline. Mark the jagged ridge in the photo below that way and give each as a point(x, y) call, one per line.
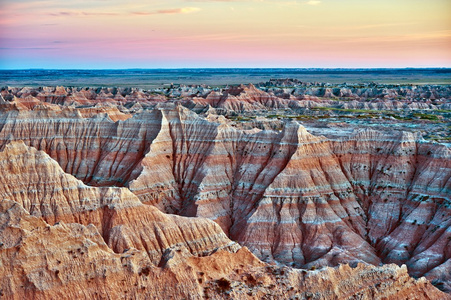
point(289, 196)
point(64, 261)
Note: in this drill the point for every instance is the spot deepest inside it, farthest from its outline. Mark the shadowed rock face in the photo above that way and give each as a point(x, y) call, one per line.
point(75, 260)
point(289, 196)
point(38, 184)
point(272, 94)
point(303, 200)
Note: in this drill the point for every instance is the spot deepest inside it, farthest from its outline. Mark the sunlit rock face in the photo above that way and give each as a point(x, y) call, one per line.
point(63, 239)
point(275, 94)
point(290, 197)
point(38, 184)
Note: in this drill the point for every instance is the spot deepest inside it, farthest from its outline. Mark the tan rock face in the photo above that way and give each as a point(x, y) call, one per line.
point(38, 184)
point(290, 197)
point(273, 95)
point(72, 261)
point(242, 98)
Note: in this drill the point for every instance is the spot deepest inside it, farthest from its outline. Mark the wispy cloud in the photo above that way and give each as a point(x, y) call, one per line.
point(80, 13)
point(384, 25)
point(183, 10)
point(359, 28)
point(271, 1)
point(29, 48)
point(313, 2)
point(221, 0)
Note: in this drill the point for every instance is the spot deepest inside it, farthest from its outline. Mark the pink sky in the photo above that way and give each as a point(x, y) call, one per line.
point(227, 33)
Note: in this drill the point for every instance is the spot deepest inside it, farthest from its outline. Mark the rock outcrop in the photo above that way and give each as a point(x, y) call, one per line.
point(39, 185)
point(100, 172)
point(287, 94)
point(70, 260)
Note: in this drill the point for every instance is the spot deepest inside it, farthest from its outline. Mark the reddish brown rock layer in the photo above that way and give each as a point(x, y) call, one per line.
point(288, 196)
point(71, 261)
point(303, 200)
point(270, 95)
point(37, 183)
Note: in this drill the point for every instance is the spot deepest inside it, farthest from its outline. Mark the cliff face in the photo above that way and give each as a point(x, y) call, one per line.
point(303, 200)
point(38, 184)
point(70, 259)
point(270, 95)
point(288, 196)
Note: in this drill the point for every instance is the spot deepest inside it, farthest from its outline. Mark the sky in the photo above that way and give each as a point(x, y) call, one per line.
point(109, 34)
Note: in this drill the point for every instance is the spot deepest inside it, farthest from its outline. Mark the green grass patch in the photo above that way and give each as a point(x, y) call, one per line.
point(426, 116)
point(367, 111)
point(240, 118)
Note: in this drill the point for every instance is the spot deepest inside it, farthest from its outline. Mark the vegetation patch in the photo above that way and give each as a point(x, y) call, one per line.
point(426, 116)
point(223, 284)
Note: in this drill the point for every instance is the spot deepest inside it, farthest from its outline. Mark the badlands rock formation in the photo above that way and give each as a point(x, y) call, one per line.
point(77, 261)
point(275, 94)
point(291, 198)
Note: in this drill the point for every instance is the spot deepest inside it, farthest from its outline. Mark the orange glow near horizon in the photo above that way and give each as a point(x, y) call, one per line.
point(202, 33)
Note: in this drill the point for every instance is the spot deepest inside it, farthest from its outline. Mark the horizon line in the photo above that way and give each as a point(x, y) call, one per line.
point(228, 68)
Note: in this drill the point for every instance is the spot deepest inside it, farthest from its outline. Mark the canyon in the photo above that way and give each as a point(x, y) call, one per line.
point(110, 193)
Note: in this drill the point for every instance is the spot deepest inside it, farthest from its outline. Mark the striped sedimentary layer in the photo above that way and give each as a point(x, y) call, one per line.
point(270, 95)
point(72, 261)
point(288, 196)
point(37, 183)
point(60, 239)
